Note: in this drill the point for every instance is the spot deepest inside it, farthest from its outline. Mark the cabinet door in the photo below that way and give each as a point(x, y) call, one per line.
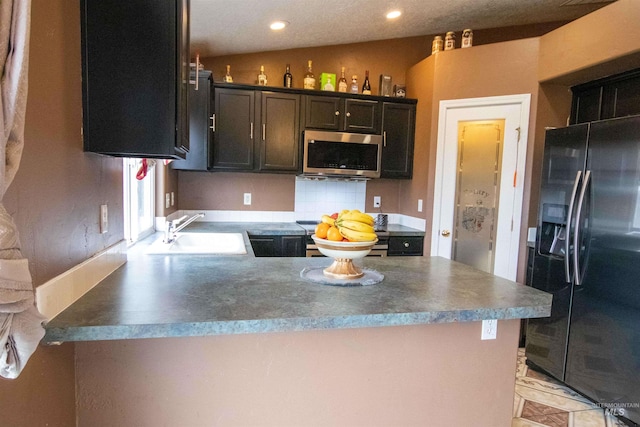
point(398, 140)
point(622, 97)
point(200, 123)
point(183, 73)
point(362, 116)
point(280, 132)
point(265, 246)
point(586, 105)
point(322, 112)
point(134, 97)
point(405, 246)
point(233, 130)
point(293, 246)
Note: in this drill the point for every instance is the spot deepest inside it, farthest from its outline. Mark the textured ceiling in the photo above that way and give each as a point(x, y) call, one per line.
point(224, 27)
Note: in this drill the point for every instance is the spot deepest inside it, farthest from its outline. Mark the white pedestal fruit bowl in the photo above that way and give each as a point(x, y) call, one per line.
point(343, 254)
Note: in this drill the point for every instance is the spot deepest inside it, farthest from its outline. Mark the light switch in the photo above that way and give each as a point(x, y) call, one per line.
point(247, 198)
point(167, 201)
point(419, 205)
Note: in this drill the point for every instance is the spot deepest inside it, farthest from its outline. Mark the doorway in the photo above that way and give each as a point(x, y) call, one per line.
point(493, 227)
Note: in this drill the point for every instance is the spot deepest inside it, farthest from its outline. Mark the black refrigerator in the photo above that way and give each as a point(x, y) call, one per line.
point(587, 255)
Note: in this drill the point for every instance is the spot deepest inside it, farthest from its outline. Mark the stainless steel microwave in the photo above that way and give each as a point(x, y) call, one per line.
point(341, 153)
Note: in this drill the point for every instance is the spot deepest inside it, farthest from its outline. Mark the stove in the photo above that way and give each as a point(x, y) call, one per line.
point(379, 249)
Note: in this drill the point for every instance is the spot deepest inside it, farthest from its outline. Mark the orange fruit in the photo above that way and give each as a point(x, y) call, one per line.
point(321, 230)
point(334, 235)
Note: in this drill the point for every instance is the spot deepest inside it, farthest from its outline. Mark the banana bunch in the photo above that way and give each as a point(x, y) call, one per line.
point(356, 226)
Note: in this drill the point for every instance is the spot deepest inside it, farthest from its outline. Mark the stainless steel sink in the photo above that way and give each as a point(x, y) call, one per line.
point(201, 243)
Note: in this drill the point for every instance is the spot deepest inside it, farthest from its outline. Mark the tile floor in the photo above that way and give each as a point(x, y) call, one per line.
point(541, 401)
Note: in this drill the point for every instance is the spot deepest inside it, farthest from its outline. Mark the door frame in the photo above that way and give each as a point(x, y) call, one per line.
point(446, 109)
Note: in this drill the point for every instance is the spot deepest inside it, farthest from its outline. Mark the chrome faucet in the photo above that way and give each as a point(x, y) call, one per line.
point(173, 227)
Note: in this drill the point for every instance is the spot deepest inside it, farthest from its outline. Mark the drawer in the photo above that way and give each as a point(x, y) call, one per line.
point(405, 246)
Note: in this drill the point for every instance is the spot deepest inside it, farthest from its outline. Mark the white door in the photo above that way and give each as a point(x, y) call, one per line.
point(514, 110)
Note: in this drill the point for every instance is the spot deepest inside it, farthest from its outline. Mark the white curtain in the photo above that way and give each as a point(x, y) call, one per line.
point(20, 322)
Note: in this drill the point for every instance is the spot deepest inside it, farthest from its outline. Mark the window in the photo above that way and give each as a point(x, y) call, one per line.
point(139, 200)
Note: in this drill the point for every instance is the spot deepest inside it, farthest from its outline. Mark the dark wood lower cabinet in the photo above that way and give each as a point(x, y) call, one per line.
point(405, 246)
point(277, 246)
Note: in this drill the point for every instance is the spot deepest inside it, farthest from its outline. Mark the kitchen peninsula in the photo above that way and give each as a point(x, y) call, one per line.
point(238, 340)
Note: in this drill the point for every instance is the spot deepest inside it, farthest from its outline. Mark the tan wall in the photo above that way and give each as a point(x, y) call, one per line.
point(426, 375)
point(392, 57)
point(55, 200)
point(599, 44)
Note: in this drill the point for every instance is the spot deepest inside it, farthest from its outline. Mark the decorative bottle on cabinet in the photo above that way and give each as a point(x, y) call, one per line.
point(309, 77)
point(227, 77)
point(366, 86)
point(342, 83)
point(354, 84)
point(262, 77)
point(288, 78)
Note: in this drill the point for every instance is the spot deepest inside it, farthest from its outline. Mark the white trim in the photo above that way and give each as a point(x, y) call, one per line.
point(63, 290)
point(448, 107)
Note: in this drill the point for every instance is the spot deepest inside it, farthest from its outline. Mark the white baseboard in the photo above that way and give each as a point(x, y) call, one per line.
point(63, 290)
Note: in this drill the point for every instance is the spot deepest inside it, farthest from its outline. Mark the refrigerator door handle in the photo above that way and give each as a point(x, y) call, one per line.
point(576, 235)
point(567, 240)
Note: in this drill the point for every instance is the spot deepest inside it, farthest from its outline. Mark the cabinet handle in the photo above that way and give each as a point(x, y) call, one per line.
point(213, 122)
point(384, 138)
point(264, 131)
point(406, 244)
point(348, 114)
point(337, 113)
point(251, 135)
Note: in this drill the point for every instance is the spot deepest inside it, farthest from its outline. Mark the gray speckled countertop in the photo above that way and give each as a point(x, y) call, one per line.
point(197, 295)
point(282, 228)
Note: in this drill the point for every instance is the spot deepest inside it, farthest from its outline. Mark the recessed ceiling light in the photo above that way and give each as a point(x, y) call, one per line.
point(393, 14)
point(278, 25)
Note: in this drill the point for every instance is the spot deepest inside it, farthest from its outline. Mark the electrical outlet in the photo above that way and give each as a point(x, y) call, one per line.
point(376, 201)
point(489, 329)
point(104, 219)
point(173, 199)
point(247, 199)
point(167, 200)
point(419, 205)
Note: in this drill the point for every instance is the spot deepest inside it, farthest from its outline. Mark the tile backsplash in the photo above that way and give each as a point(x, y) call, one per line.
point(317, 197)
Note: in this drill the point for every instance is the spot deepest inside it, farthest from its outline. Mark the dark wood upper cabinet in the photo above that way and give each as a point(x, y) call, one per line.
point(256, 130)
point(398, 133)
point(135, 77)
point(234, 129)
point(200, 124)
point(323, 112)
point(280, 132)
point(260, 129)
point(362, 116)
point(342, 114)
point(607, 98)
